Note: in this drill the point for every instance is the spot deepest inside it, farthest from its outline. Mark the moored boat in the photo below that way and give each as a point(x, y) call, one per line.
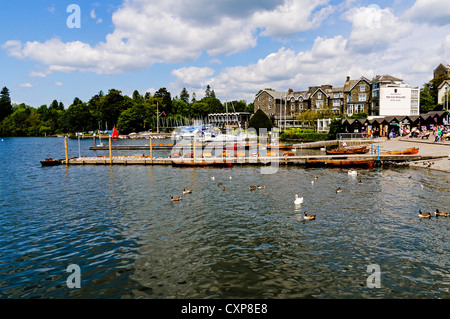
point(341, 162)
point(201, 164)
point(350, 150)
point(51, 162)
point(408, 151)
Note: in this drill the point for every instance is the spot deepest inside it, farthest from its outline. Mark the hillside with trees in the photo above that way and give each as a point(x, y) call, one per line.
point(104, 111)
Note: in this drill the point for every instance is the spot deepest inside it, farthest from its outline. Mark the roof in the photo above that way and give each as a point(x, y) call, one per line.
point(443, 83)
point(386, 78)
point(349, 85)
point(274, 94)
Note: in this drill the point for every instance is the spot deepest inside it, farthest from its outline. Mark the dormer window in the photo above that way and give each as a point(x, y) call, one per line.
point(292, 100)
point(319, 96)
point(363, 88)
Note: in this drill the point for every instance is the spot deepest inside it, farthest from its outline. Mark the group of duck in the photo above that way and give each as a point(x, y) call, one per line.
point(299, 200)
point(436, 213)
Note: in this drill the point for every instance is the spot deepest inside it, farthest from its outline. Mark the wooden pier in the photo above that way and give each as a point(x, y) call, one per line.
point(242, 161)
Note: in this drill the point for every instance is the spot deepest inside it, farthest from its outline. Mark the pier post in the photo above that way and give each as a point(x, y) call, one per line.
point(151, 150)
point(110, 151)
point(66, 149)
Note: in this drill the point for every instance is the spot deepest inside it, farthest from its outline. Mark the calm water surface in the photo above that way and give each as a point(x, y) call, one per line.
point(120, 227)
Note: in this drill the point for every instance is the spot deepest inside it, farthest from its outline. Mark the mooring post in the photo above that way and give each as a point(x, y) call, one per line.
point(151, 150)
point(110, 152)
point(67, 150)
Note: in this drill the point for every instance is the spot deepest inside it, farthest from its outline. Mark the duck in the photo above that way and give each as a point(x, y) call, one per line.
point(261, 186)
point(339, 190)
point(424, 215)
point(298, 200)
point(309, 217)
point(224, 188)
point(252, 188)
point(219, 183)
point(176, 198)
point(187, 191)
point(316, 178)
point(360, 182)
point(443, 214)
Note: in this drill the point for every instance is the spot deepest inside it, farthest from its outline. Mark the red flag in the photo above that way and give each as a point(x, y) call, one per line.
point(115, 133)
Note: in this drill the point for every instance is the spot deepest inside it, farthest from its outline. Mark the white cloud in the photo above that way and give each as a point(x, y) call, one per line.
point(192, 76)
point(174, 33)
point(27, 85)
point(433, 12)
point(58, 83)
point(374, 28)
point(291, 17)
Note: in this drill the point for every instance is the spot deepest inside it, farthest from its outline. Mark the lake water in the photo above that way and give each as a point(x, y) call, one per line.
point(119, 226)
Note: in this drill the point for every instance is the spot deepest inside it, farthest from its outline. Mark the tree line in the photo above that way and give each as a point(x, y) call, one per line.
point(103, 111)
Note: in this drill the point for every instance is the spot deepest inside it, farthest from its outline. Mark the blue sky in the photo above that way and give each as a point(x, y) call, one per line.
point(237, 47)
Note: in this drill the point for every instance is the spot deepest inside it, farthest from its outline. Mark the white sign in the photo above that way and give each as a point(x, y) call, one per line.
point(395, 101)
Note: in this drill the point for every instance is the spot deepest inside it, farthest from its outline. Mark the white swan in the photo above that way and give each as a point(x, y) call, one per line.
point(352, 172)
point(298, 200)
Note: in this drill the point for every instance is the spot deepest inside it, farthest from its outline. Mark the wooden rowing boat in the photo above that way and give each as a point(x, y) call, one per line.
point(200, 164)
point(340, 162)
point(350, 150)
point(408, 151)
point(51, 162)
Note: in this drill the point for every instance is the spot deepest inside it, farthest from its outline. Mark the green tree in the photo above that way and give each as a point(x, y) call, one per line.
point(165, 104)
point(427, 99)
point(110, 106)
point(259, 121)
point(184, 95)
point(5, 104)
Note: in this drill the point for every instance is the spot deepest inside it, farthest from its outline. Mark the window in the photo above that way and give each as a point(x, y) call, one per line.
point(319, 96)
point(350, 109)
point(359, 108)
point(376, 93)
point(362, 98)
point(270, 98)
point(336, 95)
point(349, 99)
point(259, 99)
point(336, 103)
point(363, 88)
point(301, 99)
point(319, 104)
point(293, 107)
point(270, 107)
point(292, 100)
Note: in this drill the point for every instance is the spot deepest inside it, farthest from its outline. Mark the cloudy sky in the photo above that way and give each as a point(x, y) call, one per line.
point(237, 47)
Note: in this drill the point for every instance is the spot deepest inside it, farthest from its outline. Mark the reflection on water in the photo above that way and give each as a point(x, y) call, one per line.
point(130, 241)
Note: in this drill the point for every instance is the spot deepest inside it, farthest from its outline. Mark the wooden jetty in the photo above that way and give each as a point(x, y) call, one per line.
point(239, 161)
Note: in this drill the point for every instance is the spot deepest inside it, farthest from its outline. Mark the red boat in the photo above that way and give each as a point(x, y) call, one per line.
point(408, 151)
point(341, 163)
point(350, 150)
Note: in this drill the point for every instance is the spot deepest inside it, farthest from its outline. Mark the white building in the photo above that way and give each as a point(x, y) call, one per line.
point(442, 90)
point(391, 97)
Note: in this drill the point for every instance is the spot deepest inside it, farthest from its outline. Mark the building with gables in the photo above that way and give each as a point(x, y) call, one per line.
point(384, 95)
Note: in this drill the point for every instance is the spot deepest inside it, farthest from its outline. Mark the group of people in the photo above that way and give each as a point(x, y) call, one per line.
point(440, 133)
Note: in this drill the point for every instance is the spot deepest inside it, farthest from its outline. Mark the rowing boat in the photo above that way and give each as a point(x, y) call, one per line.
point(340, 162)
point(350, 150)
point(200, 164)
point(408, 151)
